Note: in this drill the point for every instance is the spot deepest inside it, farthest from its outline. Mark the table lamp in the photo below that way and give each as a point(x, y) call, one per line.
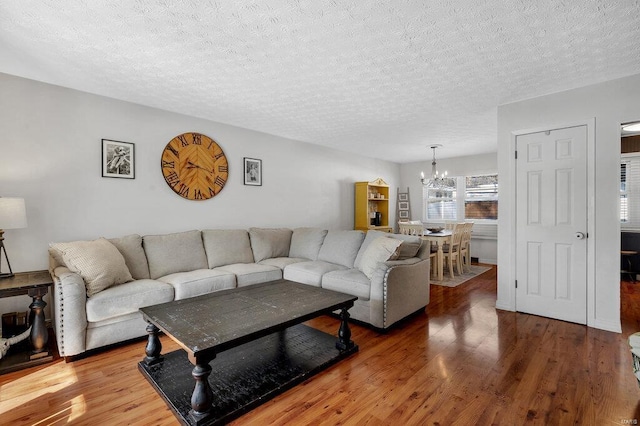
point(13, 215)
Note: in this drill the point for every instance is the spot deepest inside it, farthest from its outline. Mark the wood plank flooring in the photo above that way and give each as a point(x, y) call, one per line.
point(461, 363)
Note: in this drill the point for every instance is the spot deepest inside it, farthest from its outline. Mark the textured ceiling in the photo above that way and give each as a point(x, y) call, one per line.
point(381, 78)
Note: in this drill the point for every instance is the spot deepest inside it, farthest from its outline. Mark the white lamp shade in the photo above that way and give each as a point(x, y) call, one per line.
point(13, 214)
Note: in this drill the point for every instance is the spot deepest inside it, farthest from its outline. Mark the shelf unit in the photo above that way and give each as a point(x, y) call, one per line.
point(372, 197)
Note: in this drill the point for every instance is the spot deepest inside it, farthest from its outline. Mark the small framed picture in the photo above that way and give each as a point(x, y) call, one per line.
point(404, 214)
point(118, 159)
point(403, 196)
point(403, 205)
point(252, 171)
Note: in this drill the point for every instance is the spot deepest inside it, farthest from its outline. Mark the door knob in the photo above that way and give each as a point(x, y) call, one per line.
point(580, 235)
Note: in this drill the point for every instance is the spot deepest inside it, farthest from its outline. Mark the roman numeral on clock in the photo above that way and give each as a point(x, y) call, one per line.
point(184, 190)
point(198, 195)
point(219, 155)
point(173, 150)
point(183, 140)
point(197, 139)
point(219, 181)
point(168, 164)
point(172, 179)
point(223, 168)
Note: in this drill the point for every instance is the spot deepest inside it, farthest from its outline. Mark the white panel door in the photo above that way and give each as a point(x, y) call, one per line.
point(551, 224)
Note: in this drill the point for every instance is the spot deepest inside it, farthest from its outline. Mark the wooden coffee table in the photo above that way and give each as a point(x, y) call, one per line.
point(255, 336)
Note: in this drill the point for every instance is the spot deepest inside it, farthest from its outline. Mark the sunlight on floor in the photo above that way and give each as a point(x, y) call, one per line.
point(25, 392)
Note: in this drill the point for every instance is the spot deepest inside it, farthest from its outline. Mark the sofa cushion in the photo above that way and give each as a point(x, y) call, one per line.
point(127, 298)
point(282, 262)
point(252, 273)
point(310, 272)
point(270, 242)
point(130, 247)
point(306, 242)
point(380, 250)
point(98, 262)
point(200, 281)
point(227, 247)
point(341, 247)
point(349, 281)
point(171, 253)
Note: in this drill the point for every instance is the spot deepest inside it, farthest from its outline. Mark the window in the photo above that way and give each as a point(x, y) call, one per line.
point(630, 191)
point(481, 197)
point(441, 202)
point(480, 200)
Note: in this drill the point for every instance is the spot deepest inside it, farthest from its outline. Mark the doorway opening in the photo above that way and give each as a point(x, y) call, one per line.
point(630, 226)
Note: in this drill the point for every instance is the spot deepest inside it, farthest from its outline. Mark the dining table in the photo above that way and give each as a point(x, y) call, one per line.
point(439, 238)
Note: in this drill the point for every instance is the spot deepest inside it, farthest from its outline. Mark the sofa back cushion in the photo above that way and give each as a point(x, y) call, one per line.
point(341, 247)
point(267, 243)
point(227, 247)
point(170, 253)
point(130, 247)
point(306, 242)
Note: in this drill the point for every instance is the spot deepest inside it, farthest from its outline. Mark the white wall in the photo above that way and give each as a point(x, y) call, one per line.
point(50, 154)
point(610, 104)
point(485, 249)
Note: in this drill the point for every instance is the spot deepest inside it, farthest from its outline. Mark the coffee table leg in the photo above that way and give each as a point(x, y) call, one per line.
point(344, 333)
point(202, 397)
point(154, 347)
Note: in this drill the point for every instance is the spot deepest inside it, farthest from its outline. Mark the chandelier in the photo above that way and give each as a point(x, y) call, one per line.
point(436, 180)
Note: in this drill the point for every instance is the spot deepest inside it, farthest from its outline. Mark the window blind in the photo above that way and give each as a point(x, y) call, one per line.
point(630, 192)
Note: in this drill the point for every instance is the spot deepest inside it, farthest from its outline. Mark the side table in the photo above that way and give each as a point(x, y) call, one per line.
point(35, 285)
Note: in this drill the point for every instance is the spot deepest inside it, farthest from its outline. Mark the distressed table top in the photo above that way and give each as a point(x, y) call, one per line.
point(22, 282)
point(218, 321)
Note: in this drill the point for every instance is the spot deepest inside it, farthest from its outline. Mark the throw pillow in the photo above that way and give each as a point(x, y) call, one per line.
point(380, 250)
point(98, 262)
point(368, 239)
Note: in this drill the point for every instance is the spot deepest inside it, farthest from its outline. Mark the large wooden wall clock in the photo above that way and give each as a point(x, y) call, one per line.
point(194, 166)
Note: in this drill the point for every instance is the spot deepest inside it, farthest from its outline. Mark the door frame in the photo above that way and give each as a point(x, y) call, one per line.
point(591, 240)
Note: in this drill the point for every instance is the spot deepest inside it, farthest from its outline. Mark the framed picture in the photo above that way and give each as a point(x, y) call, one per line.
point(403, 205)
point(404, 214)
point(403, 196)
point(252, 171)
point(118, 159)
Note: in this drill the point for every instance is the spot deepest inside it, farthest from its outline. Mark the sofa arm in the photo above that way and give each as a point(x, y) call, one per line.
point(70, 313)
point(398, 289)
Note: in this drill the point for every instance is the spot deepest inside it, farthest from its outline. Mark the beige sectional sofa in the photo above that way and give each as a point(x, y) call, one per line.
point(99, 285)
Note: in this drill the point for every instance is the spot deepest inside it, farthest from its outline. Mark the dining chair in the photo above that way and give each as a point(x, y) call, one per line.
point(465, 243)
point(408, 228)
point(452, 252)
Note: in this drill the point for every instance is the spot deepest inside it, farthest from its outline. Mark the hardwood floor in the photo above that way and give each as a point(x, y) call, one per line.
point(464, 362)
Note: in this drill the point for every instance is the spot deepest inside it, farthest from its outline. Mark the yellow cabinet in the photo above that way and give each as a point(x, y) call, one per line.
point(372, 206)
